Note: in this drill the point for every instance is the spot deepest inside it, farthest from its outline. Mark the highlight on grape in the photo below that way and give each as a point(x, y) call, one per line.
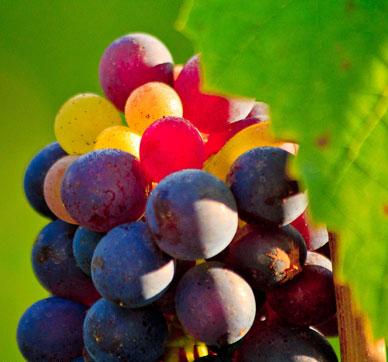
point(176, 236)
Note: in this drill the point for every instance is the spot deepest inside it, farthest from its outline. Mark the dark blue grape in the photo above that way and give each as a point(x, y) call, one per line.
point(214, 304)
point(166, 303)
point(104, 188)
point(268, 256)
point(192, 215)
point(264, 193)
point(128, 268)
point(112, 333)
point(271, 342)
point(84, 244)
point(55, 266)
point(36, 172)
point(51, 330)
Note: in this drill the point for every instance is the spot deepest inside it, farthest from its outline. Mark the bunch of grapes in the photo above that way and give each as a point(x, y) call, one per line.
point(177, 235)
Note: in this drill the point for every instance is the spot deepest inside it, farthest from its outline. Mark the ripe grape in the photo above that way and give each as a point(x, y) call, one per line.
point(104, 188)
point(112, 333)
point(81, 119)
point(51, 330)
point(256, 135)
point(166, 303)
point(271, 342)
point(55, 267)
point(150, 102)
point(168, 145)
point(131, 61)
point(36, 172)
point(209, 113)
point(120, 138)
point(84, 244)
point(128, 268)
point(214, 304)
point(216, 141)
point(52, 188)
point(264, 193)
point(328, 328)
point(315, 236)
point(268, 256)
point(192, 215)
point(309, 298)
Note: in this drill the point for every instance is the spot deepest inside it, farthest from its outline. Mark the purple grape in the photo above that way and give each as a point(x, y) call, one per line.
point(263, 191)
point(192, 215)
point(131, 61)
point(268, 256)
point(214, 304)
point(115, 334)
point(328, 328)
point(36, 172)
point(84, 244)
point(55, 267)
point(128, 268)
point(104, 188)
point(271, 342)
point(166, 303)
point(309, 298)
point(51, 330)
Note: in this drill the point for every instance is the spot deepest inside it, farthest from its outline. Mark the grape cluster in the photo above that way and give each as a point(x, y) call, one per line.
point(178, 236)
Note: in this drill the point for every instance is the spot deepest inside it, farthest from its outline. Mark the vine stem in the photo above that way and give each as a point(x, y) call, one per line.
point(355, 334)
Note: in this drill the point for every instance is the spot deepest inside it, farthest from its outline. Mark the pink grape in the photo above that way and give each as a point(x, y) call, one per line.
point(168, 145)
point(209, 113)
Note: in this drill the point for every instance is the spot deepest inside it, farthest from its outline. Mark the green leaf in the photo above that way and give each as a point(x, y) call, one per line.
point(322, 68)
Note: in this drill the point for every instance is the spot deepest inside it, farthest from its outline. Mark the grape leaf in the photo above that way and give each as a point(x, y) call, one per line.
point(322, 68)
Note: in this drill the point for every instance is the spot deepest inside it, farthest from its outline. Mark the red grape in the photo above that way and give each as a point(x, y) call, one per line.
point(168, 145)
point(209, 113)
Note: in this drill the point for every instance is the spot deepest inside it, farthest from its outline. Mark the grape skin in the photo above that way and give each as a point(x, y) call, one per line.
point(268, 256)
point(315, 236)
point(214, 304)
point(263, 191)
point(128, 268)
point(55, 267)
point(216, 141)
point(309, 298)
point(131, 61)
point(105, 188)
point(149, 103)
point(84, 244)
point(51, 330)
point(114, 334)
point(80, 119)
point(35, 174)
point(209, 113)
point(192, 215)
point(271, 342)
point(170, 144)
point(52, 188)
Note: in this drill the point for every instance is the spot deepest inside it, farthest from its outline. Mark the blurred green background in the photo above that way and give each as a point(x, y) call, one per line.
point(49, 51)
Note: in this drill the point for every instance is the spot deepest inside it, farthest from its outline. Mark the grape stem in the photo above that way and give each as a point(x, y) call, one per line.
point(355, 334)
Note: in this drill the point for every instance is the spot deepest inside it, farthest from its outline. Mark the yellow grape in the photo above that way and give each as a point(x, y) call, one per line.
point(150, 102)
point(119, 137)
point(257, 135)
point(81, 119)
